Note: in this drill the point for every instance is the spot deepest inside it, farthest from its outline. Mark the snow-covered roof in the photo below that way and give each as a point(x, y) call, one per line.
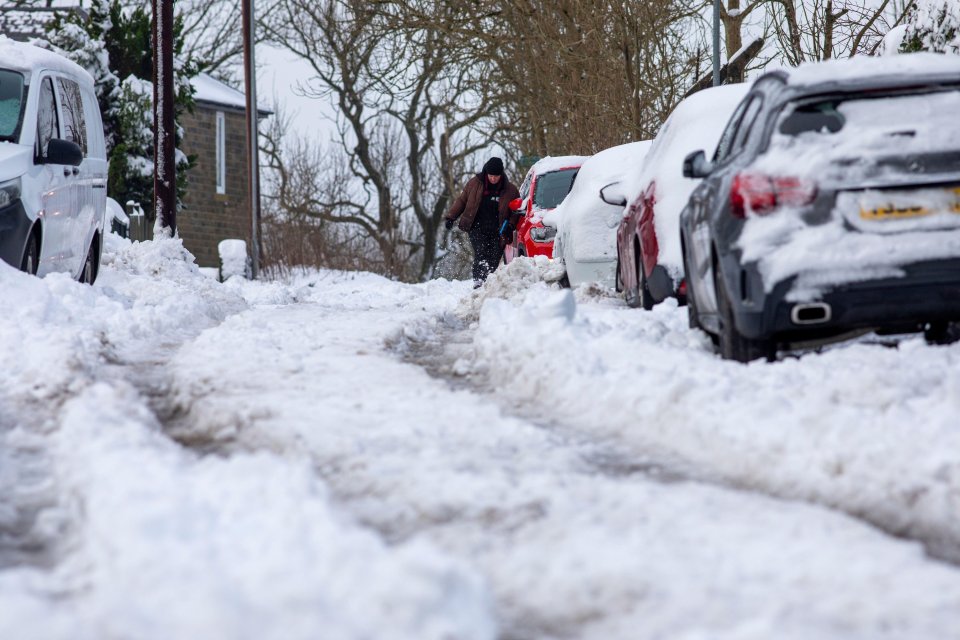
point(26, 23)
point(865, 67)
point(209, 90)
point(20, 56)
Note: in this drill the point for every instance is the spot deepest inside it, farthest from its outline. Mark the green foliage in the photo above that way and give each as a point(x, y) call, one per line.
point(114, 43)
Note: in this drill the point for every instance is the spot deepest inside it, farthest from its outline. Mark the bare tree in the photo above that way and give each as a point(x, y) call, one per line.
point(815, 30)
point(212, 34)
point(407, 120)
point(575, 76)
point(810, 30)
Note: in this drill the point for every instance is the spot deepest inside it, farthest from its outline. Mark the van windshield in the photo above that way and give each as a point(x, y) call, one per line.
point(11, 104)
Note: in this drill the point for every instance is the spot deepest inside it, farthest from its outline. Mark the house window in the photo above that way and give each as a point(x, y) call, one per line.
point(221, 153)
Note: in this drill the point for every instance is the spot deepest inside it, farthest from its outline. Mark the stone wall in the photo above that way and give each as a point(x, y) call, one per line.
point(209, 217)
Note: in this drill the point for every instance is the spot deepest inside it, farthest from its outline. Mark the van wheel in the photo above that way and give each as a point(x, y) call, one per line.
point(731, 344)
point(31, 256)
point(88, 274)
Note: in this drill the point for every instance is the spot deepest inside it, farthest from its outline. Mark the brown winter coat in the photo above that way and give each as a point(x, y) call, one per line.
point(468, 204)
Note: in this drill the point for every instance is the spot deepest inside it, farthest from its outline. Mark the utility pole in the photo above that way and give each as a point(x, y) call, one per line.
point(253, 152)
point(164, 129)
point(716, 43)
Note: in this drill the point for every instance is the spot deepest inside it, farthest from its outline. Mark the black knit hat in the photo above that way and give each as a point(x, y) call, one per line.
point(493, 167)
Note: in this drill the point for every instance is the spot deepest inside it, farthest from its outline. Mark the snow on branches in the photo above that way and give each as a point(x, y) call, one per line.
point(933, 25)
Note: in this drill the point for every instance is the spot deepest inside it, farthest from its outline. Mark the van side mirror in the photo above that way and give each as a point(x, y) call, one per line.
point(63, 152)
point(696, 165)
point(613, 194)
point(516, 204)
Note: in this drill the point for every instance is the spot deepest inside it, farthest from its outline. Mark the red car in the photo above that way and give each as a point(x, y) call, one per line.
point(547, 183)
point(649, 257)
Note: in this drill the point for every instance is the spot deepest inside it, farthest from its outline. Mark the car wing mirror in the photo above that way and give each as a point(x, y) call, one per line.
point(614, 194)
point(63, 152)
point(696, 165)
point(516, 204)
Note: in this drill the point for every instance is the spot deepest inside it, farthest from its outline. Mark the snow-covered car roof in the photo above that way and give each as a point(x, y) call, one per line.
point(584, 214)
point(555, 163)
point(866, 68)
point(695, 124)
point(115, 211)
point(19, 56)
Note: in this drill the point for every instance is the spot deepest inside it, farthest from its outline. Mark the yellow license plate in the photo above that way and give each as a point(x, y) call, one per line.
point(947, 200)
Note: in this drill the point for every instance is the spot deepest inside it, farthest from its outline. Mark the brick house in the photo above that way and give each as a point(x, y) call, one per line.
point(216, 204)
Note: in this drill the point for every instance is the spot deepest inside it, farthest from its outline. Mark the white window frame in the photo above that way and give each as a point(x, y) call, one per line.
point(221, 153)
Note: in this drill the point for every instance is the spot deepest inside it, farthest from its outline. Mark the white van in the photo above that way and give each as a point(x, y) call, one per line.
point(53, 164)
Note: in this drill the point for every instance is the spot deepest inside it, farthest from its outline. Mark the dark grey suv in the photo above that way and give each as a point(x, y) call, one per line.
point(831, 205)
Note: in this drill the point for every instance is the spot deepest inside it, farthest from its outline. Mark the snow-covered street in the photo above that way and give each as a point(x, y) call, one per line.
point(342, 456)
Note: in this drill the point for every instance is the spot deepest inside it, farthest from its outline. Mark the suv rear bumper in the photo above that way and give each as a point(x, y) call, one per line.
point(929, 292)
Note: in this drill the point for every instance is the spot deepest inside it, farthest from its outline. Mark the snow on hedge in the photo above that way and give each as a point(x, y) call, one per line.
point(933, 25)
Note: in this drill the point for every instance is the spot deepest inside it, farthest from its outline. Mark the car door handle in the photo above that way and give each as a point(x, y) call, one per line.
point(66, 172)
point(76, 171)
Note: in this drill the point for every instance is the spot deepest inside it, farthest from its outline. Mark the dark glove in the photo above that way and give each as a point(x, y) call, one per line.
point(448, 223)
point(506, 233)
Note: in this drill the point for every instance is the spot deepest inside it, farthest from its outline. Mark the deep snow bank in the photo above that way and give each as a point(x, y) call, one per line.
point(572, 544)
point(147, 540)
point(865, 428)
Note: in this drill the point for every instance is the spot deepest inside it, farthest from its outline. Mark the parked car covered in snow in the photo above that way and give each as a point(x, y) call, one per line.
point(650, 268)
point(832, 204)
point(586, 240)
point(53, 164)
point(545, 186)
point(116, 219)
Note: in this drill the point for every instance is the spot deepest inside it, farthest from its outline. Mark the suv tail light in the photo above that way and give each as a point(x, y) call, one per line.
point(761, 194)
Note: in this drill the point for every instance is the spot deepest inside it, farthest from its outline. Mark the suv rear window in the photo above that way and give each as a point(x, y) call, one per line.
point(902, 123)
point(553, 187)
point(11, 104)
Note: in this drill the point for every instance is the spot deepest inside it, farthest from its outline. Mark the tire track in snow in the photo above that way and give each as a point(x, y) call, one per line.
point(441, 357)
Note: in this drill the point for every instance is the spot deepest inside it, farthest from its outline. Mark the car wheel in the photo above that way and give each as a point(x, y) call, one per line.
point(88, 274)
point(693, 319)
point(693, 316)
point(645, 299)
point(731, 344)
point(942, 333)
point(31, 256)
point(632, 296)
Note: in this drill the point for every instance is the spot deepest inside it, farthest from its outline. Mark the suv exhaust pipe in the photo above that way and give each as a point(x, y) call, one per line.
point(811, 313)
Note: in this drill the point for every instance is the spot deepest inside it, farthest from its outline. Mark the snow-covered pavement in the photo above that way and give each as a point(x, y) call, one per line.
point(583, 471)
